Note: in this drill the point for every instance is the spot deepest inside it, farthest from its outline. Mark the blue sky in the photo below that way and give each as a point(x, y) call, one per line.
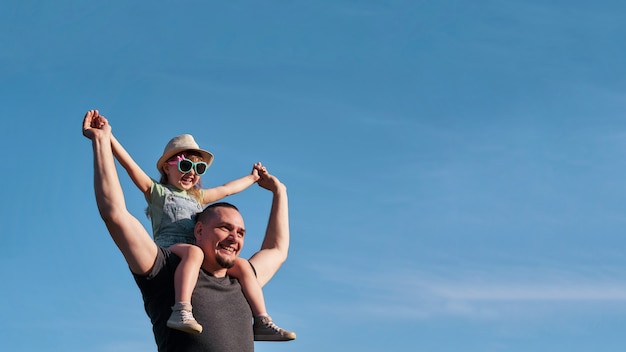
point(455, 169)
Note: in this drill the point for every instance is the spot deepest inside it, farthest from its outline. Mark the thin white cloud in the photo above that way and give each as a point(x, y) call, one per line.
point(483, 296)
point(581, 291)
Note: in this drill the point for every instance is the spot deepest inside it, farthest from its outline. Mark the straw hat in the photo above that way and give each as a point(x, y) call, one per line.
point(179, 144)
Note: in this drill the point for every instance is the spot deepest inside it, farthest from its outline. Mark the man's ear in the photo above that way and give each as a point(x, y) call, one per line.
point(197, 230)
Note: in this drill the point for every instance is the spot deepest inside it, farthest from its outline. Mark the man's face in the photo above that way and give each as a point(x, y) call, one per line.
point(221, 238)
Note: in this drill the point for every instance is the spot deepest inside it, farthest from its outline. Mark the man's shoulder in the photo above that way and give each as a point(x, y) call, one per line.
point(164, 266)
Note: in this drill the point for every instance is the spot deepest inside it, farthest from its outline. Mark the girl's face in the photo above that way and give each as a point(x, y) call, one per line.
point(178, 179)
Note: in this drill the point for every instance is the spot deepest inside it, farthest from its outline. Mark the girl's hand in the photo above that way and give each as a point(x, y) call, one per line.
point(257, 170)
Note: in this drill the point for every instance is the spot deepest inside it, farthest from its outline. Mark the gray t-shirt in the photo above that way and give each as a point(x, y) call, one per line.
point(218, 305)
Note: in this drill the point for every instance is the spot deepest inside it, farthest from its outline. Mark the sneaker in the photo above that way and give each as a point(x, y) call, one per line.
point(266, 330)
point(182, 319)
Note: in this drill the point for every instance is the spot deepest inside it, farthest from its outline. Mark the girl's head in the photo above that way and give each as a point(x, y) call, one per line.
point(183, 162)
point(183, 170)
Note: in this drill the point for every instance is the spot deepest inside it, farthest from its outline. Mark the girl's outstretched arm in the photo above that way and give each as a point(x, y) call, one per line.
point(235, 186)
point(136, 173)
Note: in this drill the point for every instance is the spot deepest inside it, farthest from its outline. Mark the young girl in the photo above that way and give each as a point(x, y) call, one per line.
point(172, 206)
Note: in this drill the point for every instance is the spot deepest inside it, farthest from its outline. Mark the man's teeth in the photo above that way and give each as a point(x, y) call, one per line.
point(230, 249)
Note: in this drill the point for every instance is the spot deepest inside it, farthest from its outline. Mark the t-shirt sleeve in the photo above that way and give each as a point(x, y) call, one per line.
point(157, 193)
point(160, 277)
point(155, 201)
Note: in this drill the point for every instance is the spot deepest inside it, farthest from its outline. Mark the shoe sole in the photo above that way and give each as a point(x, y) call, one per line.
point(185, 328)
point(273, 338)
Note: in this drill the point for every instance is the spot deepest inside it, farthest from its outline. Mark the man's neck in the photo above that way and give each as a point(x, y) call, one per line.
point(215, 269)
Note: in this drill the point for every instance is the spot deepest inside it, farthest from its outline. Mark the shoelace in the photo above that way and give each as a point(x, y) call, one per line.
point(271, 325)
point(186, 316)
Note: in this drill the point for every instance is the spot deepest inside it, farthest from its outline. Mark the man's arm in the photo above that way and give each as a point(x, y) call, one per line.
point(275, 245)
point(126, 231)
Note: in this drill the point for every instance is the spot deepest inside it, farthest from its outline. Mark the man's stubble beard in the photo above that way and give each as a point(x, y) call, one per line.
point(225, 263)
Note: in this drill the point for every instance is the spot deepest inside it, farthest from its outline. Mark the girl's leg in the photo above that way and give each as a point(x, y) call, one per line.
point(264, 327)
point(186, 275)
point(185, 279)
point(249, 285)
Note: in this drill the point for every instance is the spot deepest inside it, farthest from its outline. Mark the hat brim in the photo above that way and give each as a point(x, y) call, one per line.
point(207, 156)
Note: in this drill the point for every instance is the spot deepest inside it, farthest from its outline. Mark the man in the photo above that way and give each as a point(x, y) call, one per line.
point(218, 301)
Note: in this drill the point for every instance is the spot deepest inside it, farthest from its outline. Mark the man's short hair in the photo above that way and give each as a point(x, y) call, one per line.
point(209, 211)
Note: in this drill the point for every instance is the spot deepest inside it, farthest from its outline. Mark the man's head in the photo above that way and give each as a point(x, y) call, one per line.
point(220, 233)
